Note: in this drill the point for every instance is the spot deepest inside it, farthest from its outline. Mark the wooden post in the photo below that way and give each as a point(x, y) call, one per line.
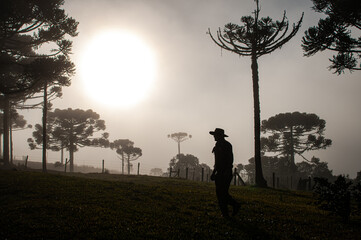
point(278, 182)
point(26, 161)
point(178, 172)
point(240, 179)
point(66, 162)
point(170, 171)
point(103, 166)
point(194, 170)
point(186, 173)
point(138, 167)
point(273, 179)
point(202, 174)
point(235, 176)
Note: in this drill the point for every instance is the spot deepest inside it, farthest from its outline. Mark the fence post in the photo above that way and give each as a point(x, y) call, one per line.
point(26, 161)
point(278, 182)
point(178, 172)
point(202, 173)
point(273, 179)
point(186, 173)
point(103, 166)
point(170, 171)
point(194, 170)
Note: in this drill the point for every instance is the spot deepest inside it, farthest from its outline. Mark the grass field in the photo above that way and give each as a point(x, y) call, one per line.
point(35, 205)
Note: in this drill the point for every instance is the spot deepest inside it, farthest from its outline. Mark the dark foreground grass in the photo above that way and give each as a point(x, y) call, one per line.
point(35, 205)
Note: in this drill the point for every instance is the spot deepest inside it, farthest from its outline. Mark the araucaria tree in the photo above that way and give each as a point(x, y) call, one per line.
point(72, 129)
point(125, 148)
point(334, 34)
point(25, 26)
point(294, 133)
point(255, 38)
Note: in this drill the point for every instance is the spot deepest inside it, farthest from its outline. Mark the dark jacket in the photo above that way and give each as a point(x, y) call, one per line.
point(223, 155)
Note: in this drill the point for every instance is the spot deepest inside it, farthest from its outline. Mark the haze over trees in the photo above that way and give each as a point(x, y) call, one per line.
point(26, 26)
point(255, 38)
point(183, 162)
point(336, 33)
point(71, 129)
point(288, 134)
point(280, 166)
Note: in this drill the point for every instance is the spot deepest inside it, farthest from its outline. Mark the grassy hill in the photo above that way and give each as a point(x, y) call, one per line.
point(55, 205)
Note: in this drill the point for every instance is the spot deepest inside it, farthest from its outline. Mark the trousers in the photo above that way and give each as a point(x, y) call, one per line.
point(223, 181)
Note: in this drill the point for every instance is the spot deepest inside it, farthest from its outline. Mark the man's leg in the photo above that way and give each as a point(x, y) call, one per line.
point(221, 191)
point(229, 199)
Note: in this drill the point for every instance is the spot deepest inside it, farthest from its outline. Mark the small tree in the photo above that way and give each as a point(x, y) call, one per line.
point(179, 137)
point(156, 172)
point(257, 37)
point(182, 162)
point(315, 168)
point(72, 129)
point(294, 133)
point(131, 154)
point(125, 148)
point(334, 34)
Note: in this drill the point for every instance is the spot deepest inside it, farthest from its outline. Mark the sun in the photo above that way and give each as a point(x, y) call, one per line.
point(118, 69)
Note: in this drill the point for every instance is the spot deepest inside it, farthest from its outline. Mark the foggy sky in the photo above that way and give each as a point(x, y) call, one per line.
point(198, 87)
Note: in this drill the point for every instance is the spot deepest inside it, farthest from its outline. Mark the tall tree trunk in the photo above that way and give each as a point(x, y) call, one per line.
point(45, 113)
point(260, 181)
point(6, 129)
point(62, 155)
point(123, 164)
point(71, 158)
point(293, 165)
point(71, 149)
point(1, 145)
point(128, 166)
point(11, 141)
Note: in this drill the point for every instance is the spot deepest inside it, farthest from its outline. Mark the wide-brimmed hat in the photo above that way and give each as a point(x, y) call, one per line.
point(218, 132)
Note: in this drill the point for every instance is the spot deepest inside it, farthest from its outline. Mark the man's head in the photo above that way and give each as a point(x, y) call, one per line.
point(218, 134)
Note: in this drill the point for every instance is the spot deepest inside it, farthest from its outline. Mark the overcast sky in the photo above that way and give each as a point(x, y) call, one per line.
point(198, 87)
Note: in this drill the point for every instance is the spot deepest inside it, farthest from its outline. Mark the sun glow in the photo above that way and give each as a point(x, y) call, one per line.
point(118, 69)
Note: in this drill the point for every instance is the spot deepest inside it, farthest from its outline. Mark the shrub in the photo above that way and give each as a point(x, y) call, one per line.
point(58, 164)
point(334, 197)
point(356, 193)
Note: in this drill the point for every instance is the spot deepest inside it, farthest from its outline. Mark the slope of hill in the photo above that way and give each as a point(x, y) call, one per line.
point(55, 205)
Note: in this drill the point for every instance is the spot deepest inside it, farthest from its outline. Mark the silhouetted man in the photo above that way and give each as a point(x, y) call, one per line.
point(222, 173)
